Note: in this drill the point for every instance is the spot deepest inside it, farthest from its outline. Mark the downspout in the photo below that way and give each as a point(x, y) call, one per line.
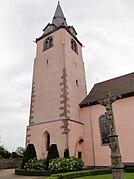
point(92, 138)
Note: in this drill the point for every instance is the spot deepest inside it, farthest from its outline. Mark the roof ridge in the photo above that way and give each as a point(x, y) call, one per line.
point(114, 78)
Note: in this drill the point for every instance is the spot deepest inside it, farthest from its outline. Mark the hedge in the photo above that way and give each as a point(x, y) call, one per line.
point(129, 169)
point(67, 175)
point(32, 172)
point(70, 175)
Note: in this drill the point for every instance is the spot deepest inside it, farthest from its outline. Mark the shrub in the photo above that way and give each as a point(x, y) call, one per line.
point(32, 172)
point(65, 164)
point(30, 153)
point(70, 175)
point(4, 153)
point(16, 155)
point(52, 154)
point(66, 153)
point(34, 164)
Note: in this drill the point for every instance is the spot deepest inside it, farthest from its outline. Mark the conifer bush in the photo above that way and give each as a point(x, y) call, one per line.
point(52, 154)
point(66, 153)
point(30, 153)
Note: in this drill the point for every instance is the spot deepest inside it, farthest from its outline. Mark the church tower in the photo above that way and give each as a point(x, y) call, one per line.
point(58, 88)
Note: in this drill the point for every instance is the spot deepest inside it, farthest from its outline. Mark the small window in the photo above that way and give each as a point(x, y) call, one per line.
point(48, 43)
point(74, 46)
point(77, 84)
point(46, 140)
point(105, 129)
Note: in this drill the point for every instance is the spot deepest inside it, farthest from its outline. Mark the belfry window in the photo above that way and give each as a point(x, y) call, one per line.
point(105, 129)
point(74, 46)
point(48, 43)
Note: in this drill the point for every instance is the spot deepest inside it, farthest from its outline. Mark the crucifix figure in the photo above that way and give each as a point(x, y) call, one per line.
point(116, 161)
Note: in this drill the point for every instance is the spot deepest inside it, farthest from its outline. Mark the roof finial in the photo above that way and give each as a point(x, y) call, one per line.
point(58, 2)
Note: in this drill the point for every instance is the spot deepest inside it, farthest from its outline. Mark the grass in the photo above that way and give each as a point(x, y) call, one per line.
point(107, 176)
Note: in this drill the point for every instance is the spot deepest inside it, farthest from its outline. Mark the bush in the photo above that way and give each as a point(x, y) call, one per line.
point(32, 172)
point(34, 164)
point(4, 153)
point(70, 175)
point(129, 169)
point(30, 153)
point(52, 154)
point(66, 153)
point(65, 164)
point(16, 155)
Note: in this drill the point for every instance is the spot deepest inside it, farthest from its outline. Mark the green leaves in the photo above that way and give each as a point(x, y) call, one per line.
point(34, 164)
point(4, 153)
point(66, 164)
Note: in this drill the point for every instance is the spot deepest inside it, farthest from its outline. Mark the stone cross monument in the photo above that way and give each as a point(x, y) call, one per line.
point(116, 161)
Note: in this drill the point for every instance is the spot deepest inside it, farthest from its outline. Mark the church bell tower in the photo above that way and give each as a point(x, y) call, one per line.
point(58, 88)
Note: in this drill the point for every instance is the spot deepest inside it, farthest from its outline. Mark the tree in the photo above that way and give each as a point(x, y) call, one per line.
point(4, 153)
point(30, 153)
point(52, 154)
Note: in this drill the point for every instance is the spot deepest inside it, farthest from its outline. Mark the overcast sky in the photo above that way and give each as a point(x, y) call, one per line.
point(105, 28)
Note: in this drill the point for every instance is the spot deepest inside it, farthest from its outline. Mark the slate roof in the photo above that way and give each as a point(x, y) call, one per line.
point(59, 19)
point(123, 85)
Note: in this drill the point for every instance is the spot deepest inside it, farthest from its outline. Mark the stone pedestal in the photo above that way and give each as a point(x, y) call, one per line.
point(118, 174)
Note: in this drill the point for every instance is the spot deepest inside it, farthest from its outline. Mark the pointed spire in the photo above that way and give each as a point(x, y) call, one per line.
point(59, 19)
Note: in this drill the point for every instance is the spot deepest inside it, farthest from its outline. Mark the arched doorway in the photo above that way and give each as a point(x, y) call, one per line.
point(79, 147)
point(46, 141)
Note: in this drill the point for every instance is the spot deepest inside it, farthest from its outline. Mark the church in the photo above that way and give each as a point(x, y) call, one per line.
point(62, 113)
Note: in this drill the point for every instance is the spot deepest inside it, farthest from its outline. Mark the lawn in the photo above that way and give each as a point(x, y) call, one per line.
point(107, 176)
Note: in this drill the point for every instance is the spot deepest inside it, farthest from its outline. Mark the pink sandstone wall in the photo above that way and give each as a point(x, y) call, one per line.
point(75, 70)
point(124, 115)
point(47, 79)
point(56, 137)
point(54, 87)
point(76, 132)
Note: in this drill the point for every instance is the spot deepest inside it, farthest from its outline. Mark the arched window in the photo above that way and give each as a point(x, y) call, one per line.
point(105, 129)
point(74, 46)
point(47, 140)
point(48, 43)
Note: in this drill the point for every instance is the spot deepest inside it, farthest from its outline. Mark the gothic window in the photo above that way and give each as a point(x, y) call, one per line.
point(74, 46)
point(105, 129)
point(48, 43)
point(47, 140)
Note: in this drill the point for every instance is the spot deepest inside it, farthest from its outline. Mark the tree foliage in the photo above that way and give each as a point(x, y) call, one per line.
point(4, 153)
